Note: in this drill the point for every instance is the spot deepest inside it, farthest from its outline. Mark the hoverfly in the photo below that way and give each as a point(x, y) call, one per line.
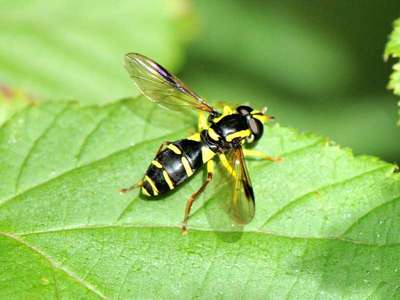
point(220, 135)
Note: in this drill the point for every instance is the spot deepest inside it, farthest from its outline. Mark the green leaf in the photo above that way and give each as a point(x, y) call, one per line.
point(74, 49)
point(327, 223)
point(393, 50)
point(11, 101)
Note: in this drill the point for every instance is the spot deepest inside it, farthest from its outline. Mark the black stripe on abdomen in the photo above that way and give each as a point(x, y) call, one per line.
point(192, 151)
point(156, 175)
point(178, 162)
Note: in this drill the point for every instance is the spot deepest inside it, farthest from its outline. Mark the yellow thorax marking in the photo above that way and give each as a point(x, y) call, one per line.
point(174, 149)
point(157, 164)
point(238, 134)
point(187, 167)
point(168, 180)
point(195, 137)
point(227, 110)
point(153, 186)
point(213, 134)
point(206, 154)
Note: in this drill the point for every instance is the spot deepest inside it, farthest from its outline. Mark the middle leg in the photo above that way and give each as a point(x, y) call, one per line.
point(261, 155)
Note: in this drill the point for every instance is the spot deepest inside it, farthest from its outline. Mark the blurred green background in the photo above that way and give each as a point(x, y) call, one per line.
point(317, 65)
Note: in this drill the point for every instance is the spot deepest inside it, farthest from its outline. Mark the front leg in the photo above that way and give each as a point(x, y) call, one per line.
point(202, 122)
point(261, 155)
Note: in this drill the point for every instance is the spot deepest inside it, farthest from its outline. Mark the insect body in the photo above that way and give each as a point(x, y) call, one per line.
point(173, 165)
point(221, 134)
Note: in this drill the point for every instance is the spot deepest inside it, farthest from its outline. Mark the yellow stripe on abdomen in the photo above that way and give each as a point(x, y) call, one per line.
point(152, 184)
point(156, 164)
point(186, 165)
point(145, 192)
point(174, 149)
point(168, 180)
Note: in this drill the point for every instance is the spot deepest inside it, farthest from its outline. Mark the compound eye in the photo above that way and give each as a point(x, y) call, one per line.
point(256, 128)
point(244, 110)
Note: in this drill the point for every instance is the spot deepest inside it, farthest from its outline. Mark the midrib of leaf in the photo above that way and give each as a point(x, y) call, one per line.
point(54, 265)
point(193, 230)
point(307, 242)
point(124, 163)
point(20, 238)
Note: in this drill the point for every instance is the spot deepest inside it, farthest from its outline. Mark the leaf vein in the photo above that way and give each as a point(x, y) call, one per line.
point(90, 134)
point(319, 189)
point(54, 264)
point(346, 231)
point(33, 147)
point(262, 163)
point(82, 166)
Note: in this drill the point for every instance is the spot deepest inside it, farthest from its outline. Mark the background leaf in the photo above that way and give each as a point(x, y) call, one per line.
point(11, 101)
point(310, 63)
point(317, 66)
point(393, 50)
point(326, 226)
point(74, 49)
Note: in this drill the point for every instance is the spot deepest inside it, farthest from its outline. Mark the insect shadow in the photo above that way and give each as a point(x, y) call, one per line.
point(217, 208)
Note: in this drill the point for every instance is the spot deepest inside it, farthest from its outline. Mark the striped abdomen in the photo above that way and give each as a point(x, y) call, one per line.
point(172, 166)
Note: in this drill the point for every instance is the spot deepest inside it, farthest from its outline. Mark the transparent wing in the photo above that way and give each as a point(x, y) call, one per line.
point(160, 86)
point(241, 207)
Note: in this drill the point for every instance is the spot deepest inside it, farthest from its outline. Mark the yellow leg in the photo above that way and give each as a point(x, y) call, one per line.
point(261, 155)
point(224, 161)
point(202, 121)
point(195, 195)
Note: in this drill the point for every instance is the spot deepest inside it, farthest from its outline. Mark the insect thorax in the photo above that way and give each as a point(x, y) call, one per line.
point(226, 132)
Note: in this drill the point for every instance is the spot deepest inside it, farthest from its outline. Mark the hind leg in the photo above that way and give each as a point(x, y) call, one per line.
point(138, 184)
point(195, 195)
point(162, 146)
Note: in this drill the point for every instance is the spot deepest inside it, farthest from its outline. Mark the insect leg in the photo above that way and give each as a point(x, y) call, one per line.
point(202, 121)
point(136, 185)
point(194, 196)
point(162, 146)
point(224, 161)
point(261, 155)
